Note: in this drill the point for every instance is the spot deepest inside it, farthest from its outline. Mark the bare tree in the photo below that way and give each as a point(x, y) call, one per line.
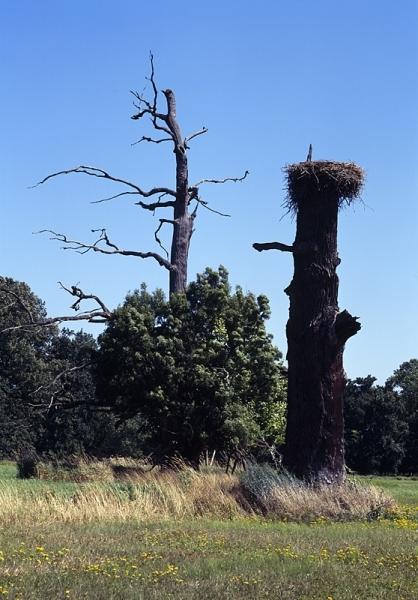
point(316, 331)
point(183, 199)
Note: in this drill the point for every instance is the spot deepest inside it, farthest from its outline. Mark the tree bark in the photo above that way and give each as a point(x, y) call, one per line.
point(316, 334)
point(183, 220)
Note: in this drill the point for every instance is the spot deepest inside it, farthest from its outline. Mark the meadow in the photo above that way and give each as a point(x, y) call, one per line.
point(83, 540)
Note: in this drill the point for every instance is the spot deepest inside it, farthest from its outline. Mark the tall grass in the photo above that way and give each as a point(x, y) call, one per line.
point(187, 494)
point(283, 496)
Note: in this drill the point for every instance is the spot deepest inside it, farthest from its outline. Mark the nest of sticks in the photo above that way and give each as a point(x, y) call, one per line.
point(323, 178)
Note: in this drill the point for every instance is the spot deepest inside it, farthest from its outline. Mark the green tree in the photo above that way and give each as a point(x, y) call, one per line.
point(200, 369)
point(22, 365)
point(47, 390)
point(375, 427)
point(404, 384)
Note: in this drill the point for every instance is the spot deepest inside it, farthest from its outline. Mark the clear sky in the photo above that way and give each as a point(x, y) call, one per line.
point(267, 78)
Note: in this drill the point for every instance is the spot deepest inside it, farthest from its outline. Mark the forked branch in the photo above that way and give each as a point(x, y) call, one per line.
point(102, 174)
point(145, 107)
point(98, 315)
point(109, 247)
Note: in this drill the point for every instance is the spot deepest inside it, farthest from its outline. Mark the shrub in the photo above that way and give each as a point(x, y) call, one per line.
point(27, 465)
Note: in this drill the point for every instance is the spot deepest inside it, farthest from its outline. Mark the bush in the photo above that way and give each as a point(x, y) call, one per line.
point(27, 465)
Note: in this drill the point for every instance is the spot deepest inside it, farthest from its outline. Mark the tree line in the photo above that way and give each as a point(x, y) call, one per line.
point(177, 377)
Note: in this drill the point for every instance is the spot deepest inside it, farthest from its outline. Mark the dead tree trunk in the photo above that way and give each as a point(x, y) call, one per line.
point(183, 220)
point(316, 330)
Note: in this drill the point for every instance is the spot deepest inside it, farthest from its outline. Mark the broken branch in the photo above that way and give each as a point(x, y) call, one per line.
point(273, 246)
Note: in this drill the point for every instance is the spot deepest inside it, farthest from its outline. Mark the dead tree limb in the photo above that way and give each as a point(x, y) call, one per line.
point(111, 248)
point(225, 180)
point(97, 315)
point(273, 246)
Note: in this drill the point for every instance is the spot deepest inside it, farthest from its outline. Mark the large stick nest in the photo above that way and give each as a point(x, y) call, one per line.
point(323, 178)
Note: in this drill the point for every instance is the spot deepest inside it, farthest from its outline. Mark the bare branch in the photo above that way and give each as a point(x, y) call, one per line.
point(83, 248)
point(102, 174)
point(154, 205)
point(234, 179)
point(193, 135)
point(113, 197)
point(97, 315)
point(94, 316)
point(157, 239)
point(148, 139)
point(194, 195)
point(80, 295)
point(152, 80)
point(206, 205)
point(147, 108)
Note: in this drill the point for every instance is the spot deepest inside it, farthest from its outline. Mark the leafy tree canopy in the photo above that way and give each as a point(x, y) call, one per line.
point(376, 427)
point(404, 384)
point(200, 369)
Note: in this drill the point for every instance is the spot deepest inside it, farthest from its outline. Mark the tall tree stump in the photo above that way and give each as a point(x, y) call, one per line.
point(316, 330)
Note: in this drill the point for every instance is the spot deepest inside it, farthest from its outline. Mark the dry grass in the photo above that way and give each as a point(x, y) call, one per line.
point(349, 501)
point(185, 494)
point(173, 494)
point(282, 496)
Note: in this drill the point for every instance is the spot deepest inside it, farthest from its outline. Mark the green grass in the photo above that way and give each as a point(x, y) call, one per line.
point(403, 489)
point(210, 560)
point(201, 559)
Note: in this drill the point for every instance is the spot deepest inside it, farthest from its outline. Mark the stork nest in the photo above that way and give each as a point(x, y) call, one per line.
point(327, 178)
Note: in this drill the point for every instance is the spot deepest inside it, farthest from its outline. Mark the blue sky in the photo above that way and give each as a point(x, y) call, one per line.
point(267, 79)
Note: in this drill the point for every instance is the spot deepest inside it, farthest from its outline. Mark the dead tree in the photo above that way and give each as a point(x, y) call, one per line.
point(183, 199)
point(316, 330)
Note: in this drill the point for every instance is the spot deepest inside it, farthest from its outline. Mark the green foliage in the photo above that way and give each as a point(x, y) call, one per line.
point(47, 391)
point(22, 365)
point(200, 369)
point(404, 384)
point(376, 427)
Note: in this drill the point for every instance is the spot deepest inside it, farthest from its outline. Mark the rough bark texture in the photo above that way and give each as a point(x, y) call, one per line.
point(316, 334)
point(183, 220)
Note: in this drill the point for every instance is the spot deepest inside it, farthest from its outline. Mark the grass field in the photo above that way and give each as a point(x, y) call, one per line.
point(200, 558)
